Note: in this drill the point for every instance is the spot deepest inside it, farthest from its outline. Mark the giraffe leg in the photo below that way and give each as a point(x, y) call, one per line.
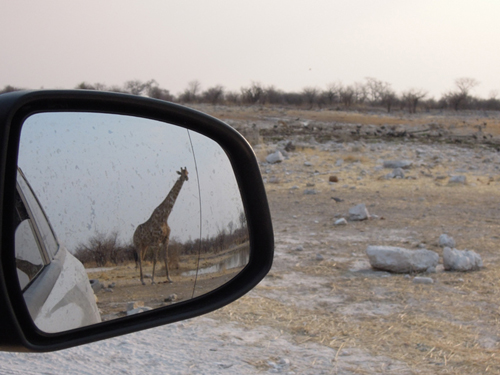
point(165, 247)
point(141, 251)
point(155, 257)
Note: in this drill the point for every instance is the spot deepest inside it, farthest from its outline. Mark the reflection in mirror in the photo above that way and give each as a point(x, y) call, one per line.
point(151, 210)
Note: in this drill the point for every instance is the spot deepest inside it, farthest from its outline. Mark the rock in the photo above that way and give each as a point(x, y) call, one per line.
point(339, 162)
point(95, 285)
point(401, 260)
point(289, 146)
point(138, 310)
point(112, 285)
point(276, 157)
point(319, 257)
point(396, 173)
point(134, 305)
point(299, 248)
point(333, 179)
point(461, 260)
point(358, 213)
point(458, 180)
point(308, 164)
point(393, 164)
point(431, 269)
point(340, 221)
point(274, 180)
point(446, 241)
point(171, 298)
point(310, 192)
point(423, 280)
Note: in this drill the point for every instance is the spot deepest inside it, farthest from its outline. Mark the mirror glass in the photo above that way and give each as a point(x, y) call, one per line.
point(114, 193)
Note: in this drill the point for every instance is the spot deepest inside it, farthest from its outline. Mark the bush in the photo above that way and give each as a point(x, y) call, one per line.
point(102, 250)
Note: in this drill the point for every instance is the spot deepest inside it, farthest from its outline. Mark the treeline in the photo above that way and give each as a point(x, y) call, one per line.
point(106, 250)
point(371, 92)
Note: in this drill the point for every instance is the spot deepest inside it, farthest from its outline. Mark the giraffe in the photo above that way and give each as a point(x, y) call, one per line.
point(155, 231)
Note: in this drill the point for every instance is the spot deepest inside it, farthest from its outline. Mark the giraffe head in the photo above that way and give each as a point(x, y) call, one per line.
point(183, 173)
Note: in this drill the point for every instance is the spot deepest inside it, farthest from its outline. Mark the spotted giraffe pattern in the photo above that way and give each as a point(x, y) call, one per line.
point(155, 232)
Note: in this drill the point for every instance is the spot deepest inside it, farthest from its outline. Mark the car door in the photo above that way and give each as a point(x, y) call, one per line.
point(54, 283)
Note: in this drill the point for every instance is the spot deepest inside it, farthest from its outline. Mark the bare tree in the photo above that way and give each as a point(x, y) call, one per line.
point(347, 96)
point(135, 87)
point(190, 95)
point(255, 94)
point(311, 95)
point(466, 84)
point(214, 95)
point(85, 86)
point(377, 89)
point(233, 97)
point(273, 95)
point(360, 92)
point(459, 99)
point(153, 90)
point(412, 97)
point(331, 94)
point(388, 99)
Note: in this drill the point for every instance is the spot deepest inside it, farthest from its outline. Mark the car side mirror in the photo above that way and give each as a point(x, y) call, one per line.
point(111, 182)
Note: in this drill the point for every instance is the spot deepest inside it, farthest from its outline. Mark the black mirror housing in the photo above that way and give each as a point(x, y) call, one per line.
point(19, 333)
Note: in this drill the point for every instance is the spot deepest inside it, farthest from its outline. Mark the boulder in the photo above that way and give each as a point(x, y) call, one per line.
point(310, 192)
point(341, 221)
point(396, 173)
point(275, 157)
point(393, 164)
point(138, 310)
point(461, 260)
point(134, 305)
point(171, 298)
point(446, 241)
point(401, 260)
point(358, 213)
point(458, 180)
point(96, 285)
point(423, 280)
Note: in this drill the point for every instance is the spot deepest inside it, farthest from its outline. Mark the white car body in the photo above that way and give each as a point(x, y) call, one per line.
point(55, 285)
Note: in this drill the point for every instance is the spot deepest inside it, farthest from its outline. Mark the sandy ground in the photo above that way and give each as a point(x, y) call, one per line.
point(322, 309)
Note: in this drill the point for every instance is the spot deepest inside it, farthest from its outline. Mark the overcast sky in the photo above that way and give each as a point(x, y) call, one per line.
point(98, 173)
point(289, 44)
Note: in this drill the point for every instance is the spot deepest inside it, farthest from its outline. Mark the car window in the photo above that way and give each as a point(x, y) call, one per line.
point(45, 232)
point(29, 258)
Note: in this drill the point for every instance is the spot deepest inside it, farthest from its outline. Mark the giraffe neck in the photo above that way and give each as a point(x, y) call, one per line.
point(167, 205)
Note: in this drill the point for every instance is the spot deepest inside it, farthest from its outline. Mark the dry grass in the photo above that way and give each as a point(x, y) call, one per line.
point(447, 120)
point(449, 327)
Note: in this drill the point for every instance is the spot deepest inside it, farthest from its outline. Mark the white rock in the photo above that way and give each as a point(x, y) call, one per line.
point(446, 241)
point(405, 164)
point(341, 221)
point(275, 157)
point(396, 173)
point(401, 260)
point(358, 213)
point(457, 180)
point(134, 305)
point(461, 260)
point(138, 310)
point(423, 280)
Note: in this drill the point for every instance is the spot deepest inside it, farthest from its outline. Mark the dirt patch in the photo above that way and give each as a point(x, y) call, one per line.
point(322, 292)
point(322, 289)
